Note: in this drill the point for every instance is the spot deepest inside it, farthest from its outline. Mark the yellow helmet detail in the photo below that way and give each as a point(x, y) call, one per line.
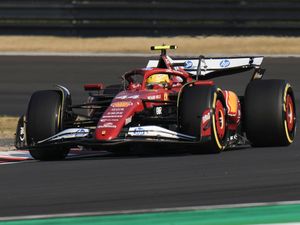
point(158, 79)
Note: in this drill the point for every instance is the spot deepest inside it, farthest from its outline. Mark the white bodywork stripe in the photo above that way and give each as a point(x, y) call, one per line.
point(157, 132)
point(68, 134)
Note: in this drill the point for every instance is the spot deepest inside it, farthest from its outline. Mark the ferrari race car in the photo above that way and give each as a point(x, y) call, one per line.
point(169, 102)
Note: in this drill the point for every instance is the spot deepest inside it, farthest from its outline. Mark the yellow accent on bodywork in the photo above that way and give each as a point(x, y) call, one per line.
point(232, 102)
point(163, 47)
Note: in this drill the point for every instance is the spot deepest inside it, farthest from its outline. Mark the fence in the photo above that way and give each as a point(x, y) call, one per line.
point(150, 18)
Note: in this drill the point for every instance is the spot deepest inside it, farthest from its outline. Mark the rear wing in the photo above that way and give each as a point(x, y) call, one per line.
point(206, 68)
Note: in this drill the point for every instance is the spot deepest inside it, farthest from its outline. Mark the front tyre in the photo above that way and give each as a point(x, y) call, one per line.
point(196, 103)
point(44, 115)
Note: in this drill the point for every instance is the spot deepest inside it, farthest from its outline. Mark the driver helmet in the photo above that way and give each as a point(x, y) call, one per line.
point(158, 79)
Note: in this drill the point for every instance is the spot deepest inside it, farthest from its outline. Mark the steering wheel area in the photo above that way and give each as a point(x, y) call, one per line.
point(154, 79)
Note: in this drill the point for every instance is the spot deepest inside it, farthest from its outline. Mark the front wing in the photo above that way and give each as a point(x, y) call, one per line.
point(74, 137)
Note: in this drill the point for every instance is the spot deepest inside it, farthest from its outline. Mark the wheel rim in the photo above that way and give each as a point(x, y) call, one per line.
point(220, 119)
point(289, 113)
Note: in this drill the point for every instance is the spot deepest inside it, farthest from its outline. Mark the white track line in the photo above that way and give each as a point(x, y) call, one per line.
point(175, 209)
point(7, 163)
point(124, 54)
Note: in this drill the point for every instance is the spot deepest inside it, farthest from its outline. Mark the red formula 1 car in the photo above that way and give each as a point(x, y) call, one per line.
point(171, 101)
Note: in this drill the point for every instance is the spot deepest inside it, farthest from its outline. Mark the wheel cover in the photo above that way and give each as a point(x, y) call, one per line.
point(289, 113)
point(220, 119)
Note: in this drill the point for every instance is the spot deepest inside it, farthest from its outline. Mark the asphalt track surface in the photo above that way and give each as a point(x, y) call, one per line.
point(121, 183)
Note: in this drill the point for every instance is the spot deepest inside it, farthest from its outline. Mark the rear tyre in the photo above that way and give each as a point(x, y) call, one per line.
point(270, 113)
point(44, 120)
point(194, 101)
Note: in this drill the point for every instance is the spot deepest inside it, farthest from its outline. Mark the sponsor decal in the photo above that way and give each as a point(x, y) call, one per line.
point(109, 120)
point(117, 109)
point(205, 124)
point(80, 133)
point(154, 97)
point(113, 116)
point(107, 125)
point(225, 63)
point(139, 131)
point(128, 97)
point(157, 132)
point(67, 134)
point(158, 110)
point(188, 64)
point(121, 97)
point(115, 113)
point(206, 117)
point(121, 104)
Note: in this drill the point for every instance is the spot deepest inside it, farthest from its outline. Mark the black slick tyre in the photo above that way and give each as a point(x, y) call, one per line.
point(193, 102)
point(43, 121)
point(270, 113)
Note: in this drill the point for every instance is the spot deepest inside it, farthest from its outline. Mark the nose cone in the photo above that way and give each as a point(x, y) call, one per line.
point(116, 116)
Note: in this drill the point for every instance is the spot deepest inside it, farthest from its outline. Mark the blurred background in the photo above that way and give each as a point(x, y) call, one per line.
point(92, 18)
